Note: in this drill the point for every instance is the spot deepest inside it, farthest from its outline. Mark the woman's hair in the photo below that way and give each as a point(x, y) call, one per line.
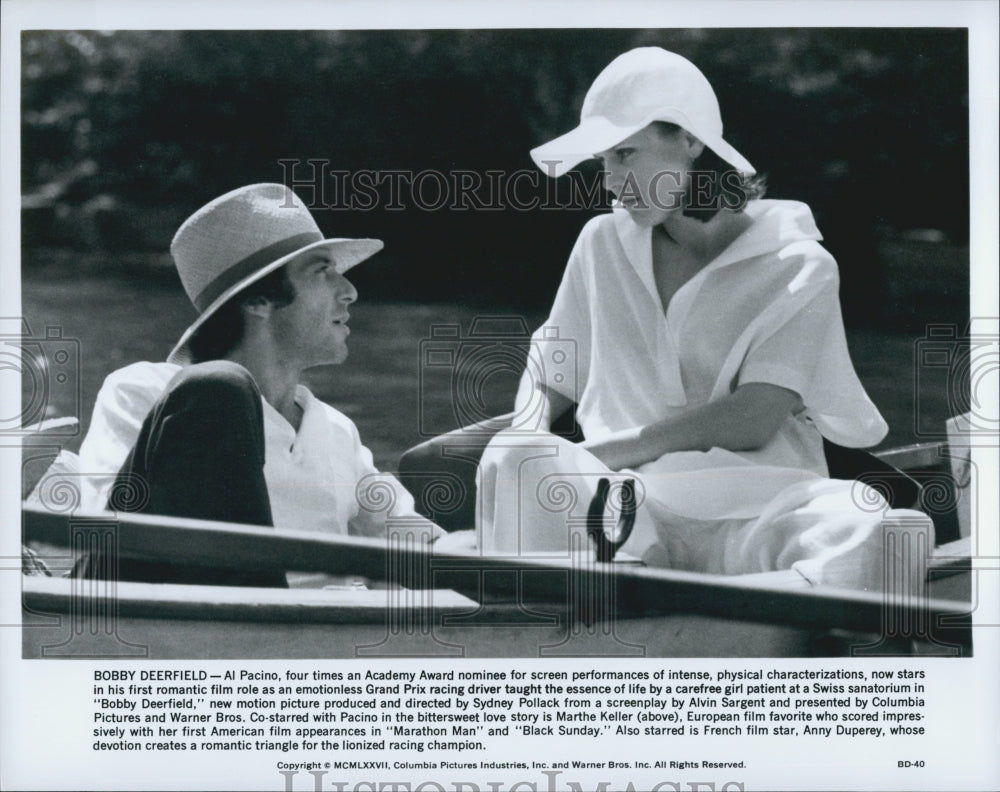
point(223, 330)
point(715, 184)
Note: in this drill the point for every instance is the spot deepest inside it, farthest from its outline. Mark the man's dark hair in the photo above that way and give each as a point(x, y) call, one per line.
point(715, 184)
point(223, 330)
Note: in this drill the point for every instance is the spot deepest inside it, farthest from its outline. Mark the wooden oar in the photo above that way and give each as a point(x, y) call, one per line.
point(632, 589)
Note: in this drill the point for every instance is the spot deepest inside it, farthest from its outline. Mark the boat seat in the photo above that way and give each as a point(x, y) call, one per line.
point(900, 490)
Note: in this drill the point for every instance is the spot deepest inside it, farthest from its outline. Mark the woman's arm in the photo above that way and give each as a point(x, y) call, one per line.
point(742, 421)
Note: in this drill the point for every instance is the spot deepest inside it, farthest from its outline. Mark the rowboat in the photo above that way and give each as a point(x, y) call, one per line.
point(360, 597)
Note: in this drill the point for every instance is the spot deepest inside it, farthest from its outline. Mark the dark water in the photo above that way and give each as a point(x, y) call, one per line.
point(387, 385)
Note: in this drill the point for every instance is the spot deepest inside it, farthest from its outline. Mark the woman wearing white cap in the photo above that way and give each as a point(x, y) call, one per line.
point(710, 357)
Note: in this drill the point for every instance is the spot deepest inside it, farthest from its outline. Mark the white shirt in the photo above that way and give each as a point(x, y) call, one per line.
point(765, 310)
point(320, 478)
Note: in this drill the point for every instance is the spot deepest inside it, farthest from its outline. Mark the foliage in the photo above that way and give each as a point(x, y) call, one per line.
point(124, 133)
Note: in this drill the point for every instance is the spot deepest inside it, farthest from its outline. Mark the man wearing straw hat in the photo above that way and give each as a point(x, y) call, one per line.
point(223, 429)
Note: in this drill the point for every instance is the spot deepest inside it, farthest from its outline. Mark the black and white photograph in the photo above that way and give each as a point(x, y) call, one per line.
point(495, 399)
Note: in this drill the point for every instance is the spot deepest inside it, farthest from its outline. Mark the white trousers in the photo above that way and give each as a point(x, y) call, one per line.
point(711, 512)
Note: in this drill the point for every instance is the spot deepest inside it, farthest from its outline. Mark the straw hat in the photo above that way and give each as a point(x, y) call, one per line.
point(641, 86)
point(242, 236)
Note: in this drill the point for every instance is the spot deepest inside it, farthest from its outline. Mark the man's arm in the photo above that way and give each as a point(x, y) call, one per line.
point(744, 420)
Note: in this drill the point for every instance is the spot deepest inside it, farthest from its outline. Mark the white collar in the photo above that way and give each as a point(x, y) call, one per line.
point(776, 224)
point(306, 402)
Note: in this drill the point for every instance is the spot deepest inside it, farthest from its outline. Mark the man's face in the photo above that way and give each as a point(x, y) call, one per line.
point(312, 330)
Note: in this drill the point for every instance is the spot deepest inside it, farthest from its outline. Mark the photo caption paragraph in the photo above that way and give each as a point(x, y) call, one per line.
point(468, 712)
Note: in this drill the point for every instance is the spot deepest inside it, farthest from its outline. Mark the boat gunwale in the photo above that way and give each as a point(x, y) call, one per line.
point(636, 590)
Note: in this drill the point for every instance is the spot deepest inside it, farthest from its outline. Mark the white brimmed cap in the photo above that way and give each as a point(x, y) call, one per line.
point(242, 236)
point(641, 86)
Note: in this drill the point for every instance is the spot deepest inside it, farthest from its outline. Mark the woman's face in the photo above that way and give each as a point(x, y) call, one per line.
point(648, 172)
